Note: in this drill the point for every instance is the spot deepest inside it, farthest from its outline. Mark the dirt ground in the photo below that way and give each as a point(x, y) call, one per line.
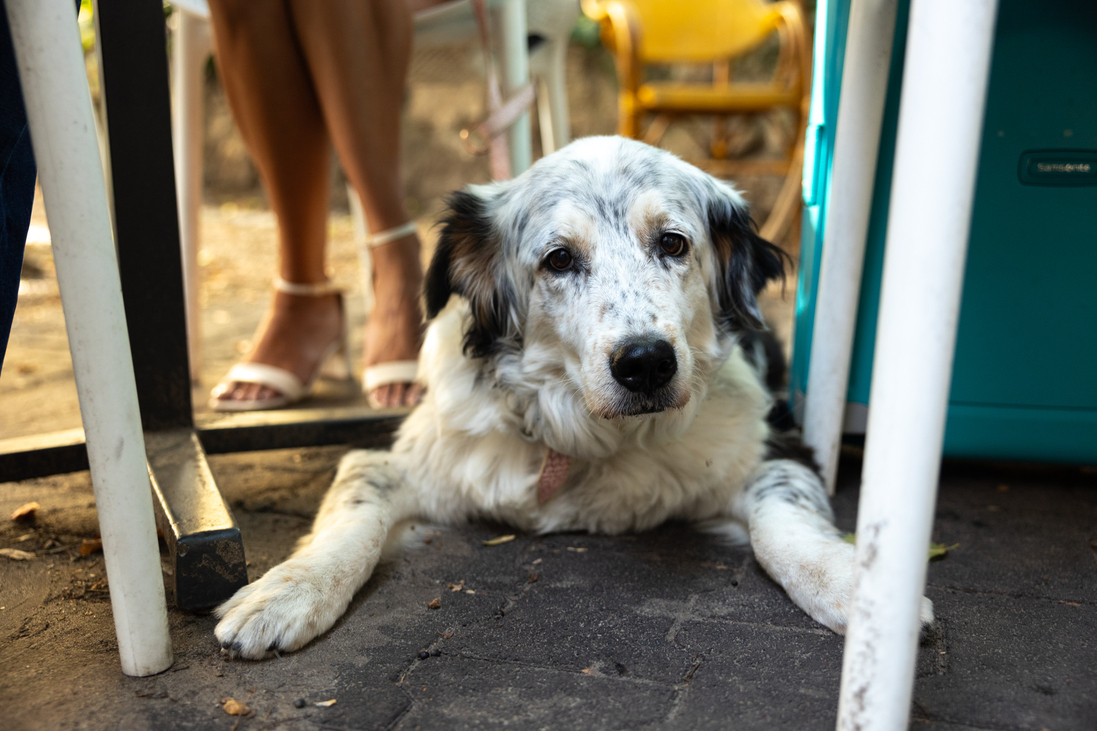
point(238, 233)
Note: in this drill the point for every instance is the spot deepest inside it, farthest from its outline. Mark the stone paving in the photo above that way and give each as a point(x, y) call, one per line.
point(664, 630)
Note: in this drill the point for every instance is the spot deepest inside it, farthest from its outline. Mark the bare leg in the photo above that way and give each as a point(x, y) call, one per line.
point(358, 54)
point(275, 107)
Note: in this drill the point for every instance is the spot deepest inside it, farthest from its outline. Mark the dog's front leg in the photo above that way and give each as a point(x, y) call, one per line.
point(794, 538)
point(302, 597)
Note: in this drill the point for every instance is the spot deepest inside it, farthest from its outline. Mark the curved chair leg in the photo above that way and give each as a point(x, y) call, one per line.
point(787, 204)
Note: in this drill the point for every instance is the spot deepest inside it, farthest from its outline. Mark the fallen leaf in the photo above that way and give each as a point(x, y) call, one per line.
point(234, 707)
point(500, 540)
point(325, 704)
point(25, 513)
point(936, 550)
point(940, 550)
point(436, 603)
point(89, 546)
point(456, 587)
point(533, 577)
point(587, 671)
point(16, 555)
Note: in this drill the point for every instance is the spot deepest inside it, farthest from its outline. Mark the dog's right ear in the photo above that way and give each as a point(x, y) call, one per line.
point(468, 261)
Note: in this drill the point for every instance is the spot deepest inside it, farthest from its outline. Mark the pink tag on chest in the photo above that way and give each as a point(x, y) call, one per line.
point(554, 472)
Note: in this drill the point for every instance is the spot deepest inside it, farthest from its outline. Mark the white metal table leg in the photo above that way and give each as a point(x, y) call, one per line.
point(510, 24)
point(192, 46)
point(940, 123)
point(51, 68)
point(856, 144)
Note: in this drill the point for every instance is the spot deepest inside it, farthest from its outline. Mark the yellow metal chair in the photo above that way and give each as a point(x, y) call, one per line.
point(645, 32)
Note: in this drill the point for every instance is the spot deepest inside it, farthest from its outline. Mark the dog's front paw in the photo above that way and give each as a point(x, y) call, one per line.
point(280, 612)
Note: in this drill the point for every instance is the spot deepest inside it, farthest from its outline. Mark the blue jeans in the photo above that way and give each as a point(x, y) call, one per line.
point(17, 174)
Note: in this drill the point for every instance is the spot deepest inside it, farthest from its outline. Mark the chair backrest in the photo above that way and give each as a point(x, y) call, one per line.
point(698, 31)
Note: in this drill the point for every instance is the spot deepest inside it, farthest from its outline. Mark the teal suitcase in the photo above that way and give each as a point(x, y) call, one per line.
point(1024, 383)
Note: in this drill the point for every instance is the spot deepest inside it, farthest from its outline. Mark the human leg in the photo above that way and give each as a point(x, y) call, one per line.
point(358, 53)
point(17, 174)
point(276, 110)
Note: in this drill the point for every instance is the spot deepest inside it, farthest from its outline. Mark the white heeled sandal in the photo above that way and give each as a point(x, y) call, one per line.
point(290, 388)
point(397, 371)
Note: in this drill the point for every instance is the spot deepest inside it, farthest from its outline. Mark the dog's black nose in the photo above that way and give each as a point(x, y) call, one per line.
point(643, 365)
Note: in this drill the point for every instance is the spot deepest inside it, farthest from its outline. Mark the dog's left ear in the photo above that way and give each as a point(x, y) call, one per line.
point(745, 261)
point(468, 261)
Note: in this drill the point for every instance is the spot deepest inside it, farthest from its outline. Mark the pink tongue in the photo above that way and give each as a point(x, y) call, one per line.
point(554, 471)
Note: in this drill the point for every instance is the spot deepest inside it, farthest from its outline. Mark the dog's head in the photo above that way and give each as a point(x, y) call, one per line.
point(610, 267)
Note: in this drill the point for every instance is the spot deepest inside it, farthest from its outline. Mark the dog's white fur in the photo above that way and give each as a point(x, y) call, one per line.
point(519, 362)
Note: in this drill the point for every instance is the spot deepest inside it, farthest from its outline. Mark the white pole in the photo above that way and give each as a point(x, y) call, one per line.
point(940, 124)
point(51, 68)
point(514, 52)
point(552, 97)
point(849, 202)
point(191, 48)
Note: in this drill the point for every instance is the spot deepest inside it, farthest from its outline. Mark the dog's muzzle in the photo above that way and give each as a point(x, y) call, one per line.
point(643, 365)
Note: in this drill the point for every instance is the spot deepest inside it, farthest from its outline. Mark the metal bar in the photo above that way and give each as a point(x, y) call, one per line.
point(51, 68)
point(52, 454)
point(204, 543)
point(940, 124)
point(138, 113)
point(856, 143)
point(299, 428)
point(23, 458)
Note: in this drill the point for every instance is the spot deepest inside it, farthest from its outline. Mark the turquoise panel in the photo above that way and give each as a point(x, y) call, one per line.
point(829, 51)
point(1022, 386)
point(1039, 435)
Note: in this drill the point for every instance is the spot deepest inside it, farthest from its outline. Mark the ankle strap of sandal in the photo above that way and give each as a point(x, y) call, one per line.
point(305, 290)
point(390, 234)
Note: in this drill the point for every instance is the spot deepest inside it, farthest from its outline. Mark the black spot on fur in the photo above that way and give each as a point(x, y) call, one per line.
point(781, 446)
point(792, 486)
point(763, 351)
point(745, 262)
point(467, 262)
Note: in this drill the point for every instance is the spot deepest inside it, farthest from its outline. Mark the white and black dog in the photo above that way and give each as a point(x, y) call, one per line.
point(585, 371)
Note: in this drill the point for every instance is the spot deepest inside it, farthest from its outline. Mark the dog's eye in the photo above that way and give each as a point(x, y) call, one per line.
point(673, 244)
point(560, 259)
